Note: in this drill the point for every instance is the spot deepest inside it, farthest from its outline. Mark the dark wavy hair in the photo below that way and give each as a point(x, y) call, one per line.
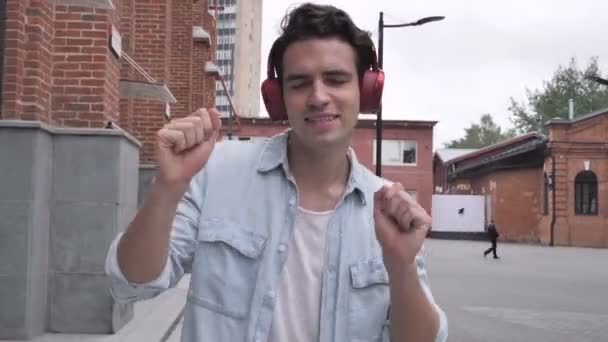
point(310, 21)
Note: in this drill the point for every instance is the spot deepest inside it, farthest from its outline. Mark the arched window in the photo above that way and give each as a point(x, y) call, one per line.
point(585, 193)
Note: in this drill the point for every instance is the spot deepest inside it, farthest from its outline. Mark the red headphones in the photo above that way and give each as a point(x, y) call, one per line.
point(372, 84)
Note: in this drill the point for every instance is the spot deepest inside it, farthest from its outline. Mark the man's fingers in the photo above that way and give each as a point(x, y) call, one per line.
point(172, 139)
point(206, 123)
point(199, 128)
point(187, 129)
point(404, 216)
point(386, 229)
point(216, 122)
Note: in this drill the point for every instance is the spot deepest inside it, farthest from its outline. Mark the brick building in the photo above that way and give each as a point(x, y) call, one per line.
point(83, 63)
point(85, 86)
point(406, 152)
point(541, 189)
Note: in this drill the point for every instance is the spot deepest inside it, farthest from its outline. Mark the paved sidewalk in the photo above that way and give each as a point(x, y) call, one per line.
point(152, 320)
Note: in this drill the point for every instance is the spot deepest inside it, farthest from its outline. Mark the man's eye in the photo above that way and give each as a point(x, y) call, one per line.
point(297, 85)
point(336, 81)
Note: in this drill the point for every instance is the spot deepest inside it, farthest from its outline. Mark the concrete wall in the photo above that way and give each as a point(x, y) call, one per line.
point(25, 166)
point(65, 195)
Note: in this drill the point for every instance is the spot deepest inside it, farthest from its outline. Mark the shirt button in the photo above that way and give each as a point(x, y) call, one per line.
point(282, 248)
point(292, 202)
point(271, 294)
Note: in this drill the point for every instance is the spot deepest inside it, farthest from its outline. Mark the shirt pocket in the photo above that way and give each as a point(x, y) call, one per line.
point(226, 264)
point(368, 303)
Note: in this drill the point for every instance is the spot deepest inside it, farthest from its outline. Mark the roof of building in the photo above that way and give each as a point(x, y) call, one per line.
point(510, 152)
point(578, 118)
point(447, 154)
point(500, 146)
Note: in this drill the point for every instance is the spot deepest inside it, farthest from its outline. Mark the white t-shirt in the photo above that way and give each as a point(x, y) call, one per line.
point(297, 309)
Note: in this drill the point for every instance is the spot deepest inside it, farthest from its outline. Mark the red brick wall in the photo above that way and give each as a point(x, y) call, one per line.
point(181, 56)
point(163, 45)
point(417, 178)
point(58, 66)
point(127, 31)
point(516, 201)
point(85, 71)
point(572, 145)
point(151, 50)
point(572, 229)
point(27, 60)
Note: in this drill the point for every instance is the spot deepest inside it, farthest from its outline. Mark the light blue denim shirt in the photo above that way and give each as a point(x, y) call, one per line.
point(231, 232)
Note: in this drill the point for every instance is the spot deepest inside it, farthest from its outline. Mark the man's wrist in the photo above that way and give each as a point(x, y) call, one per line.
point(168, 192)
point(399, 272)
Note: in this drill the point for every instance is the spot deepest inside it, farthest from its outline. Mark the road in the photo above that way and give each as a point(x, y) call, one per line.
point(532, 293)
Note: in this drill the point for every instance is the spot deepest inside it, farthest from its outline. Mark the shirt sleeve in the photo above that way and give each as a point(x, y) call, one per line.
point(442, 332)
point(181, 250)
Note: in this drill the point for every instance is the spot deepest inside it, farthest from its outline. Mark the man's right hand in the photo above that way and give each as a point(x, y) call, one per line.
point(184, 147)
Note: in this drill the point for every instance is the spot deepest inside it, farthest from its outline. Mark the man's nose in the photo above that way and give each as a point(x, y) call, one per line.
point(319, 96)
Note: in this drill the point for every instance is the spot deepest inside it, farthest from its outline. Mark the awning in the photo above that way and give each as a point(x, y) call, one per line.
point(149, 89)
point(145, 90)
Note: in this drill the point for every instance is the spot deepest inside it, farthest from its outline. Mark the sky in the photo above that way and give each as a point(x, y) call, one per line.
point(471, 63)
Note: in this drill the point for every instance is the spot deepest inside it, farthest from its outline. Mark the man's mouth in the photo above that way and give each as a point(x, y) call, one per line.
point(321, 118)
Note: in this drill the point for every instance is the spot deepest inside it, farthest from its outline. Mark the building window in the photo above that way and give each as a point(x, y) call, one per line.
point(585, 193)
point(545, 194)
point(397, 152)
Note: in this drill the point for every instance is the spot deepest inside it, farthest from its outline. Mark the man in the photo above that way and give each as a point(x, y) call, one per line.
point(290, 238)
point(493, 237)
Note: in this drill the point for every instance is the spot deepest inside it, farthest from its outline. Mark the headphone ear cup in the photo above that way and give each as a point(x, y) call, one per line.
point(273, 99)
point(372, 86)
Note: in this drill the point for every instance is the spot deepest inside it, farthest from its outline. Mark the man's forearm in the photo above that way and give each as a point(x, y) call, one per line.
point(413, 317)
point(144, 248)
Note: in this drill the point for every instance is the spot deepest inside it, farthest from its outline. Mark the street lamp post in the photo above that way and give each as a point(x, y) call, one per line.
point(381, 27)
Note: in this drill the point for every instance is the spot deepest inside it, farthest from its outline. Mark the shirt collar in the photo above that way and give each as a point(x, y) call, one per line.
point(359, 181)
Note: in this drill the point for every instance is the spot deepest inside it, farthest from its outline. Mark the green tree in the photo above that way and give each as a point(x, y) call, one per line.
point(485, 133)
point(552, 100)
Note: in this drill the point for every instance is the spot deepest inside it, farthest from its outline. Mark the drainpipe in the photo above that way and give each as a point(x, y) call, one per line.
point(553, 188)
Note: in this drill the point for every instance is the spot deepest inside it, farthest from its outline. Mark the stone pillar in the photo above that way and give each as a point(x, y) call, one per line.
point(25, 166)
point(95, 177)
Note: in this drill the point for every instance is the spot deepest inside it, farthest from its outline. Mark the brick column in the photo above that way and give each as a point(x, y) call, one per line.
point(85, 71)
point(27, 60)
point(181, 56)
point(127, 29)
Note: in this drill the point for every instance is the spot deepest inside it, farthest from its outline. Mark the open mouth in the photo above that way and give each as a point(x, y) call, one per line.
point(325, 118)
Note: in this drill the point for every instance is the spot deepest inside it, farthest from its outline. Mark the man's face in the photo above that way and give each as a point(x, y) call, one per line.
point(321, 91)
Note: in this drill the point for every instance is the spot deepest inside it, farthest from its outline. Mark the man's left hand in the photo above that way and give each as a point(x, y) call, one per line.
point(401, 226)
